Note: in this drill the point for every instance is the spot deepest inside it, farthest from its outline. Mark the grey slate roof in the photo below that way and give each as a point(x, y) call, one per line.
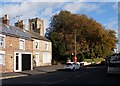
point(37, 36)
point(13, 31)
point(17, 32)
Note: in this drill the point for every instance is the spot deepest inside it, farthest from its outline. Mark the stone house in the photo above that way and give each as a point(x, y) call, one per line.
point(42, 47)
point(15, 48)
point(20, 48)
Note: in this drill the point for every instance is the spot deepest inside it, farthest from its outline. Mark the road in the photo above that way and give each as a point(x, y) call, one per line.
point(92, 75)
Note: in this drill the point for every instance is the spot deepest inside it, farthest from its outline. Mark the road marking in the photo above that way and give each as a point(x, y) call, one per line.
point(81, 74)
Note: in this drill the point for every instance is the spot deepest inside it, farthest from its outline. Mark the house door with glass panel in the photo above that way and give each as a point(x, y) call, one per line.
point(17, 63)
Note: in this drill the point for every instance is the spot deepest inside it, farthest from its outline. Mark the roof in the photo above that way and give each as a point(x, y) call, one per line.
point(13, 31)
point(37, 36)
point(18, 32)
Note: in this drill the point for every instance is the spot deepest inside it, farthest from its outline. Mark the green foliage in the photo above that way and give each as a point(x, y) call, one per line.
point(94, 60)
point(80, 56)
point(92, 40)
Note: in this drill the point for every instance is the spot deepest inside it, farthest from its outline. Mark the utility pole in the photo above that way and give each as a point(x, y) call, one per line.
point(75, 42)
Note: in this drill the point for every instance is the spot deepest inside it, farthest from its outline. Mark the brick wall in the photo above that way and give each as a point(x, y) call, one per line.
point(11, 45)
point(28, 45)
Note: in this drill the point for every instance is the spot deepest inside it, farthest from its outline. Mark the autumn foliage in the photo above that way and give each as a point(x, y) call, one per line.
point(92, 39)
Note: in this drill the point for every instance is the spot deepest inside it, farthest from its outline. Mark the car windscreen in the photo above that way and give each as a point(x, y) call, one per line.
point(114, 64)
point(68, 64)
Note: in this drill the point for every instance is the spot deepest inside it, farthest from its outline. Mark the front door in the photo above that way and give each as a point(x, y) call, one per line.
point(22, 61)
point(26, 62)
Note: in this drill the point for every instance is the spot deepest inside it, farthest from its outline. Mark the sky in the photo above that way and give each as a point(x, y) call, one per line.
point(103, 11)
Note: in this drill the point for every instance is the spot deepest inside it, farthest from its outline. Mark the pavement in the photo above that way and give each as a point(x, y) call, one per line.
point(37, 70)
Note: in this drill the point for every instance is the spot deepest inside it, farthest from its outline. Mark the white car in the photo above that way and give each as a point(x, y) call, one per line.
point(72, 66)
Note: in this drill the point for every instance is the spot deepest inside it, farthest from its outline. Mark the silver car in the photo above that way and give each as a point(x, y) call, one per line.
point(113, 67)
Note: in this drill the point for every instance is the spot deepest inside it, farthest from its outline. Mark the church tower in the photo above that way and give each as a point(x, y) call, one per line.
point(36, 25)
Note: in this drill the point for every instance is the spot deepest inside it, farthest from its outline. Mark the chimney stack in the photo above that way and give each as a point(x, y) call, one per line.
point(6, 20)
point(20, 24)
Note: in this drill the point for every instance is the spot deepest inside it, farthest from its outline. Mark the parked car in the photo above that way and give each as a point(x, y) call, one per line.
point(82, 64)
point(78, 63)
point(113, 67)
point(72, 66)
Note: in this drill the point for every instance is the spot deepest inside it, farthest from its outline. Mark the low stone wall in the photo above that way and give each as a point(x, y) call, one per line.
point(87, 63)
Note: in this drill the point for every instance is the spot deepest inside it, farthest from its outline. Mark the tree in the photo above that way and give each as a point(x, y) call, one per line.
point(92, 40)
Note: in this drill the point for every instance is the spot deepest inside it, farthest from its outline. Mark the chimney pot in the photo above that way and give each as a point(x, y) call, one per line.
point(6, 17)
point(20, 24)
point(6, 20)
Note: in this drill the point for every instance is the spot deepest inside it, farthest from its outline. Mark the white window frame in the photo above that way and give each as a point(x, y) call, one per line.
point(37, 41)
point(20, 60)
point(23, 45)
point(3, 53)
point(46, 45)
point(3, 41)
point(46, 57)
point(37, 59)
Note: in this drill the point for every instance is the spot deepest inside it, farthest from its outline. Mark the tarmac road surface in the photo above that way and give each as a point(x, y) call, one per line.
point(91, 75)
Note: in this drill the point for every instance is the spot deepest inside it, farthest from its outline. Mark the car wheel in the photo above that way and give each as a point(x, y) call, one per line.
point(73, 69)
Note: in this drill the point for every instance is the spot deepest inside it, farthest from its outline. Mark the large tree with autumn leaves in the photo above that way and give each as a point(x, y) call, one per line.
point(92, 39)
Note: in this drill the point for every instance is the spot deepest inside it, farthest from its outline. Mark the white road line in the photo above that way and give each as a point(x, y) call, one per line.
point(81, 74)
